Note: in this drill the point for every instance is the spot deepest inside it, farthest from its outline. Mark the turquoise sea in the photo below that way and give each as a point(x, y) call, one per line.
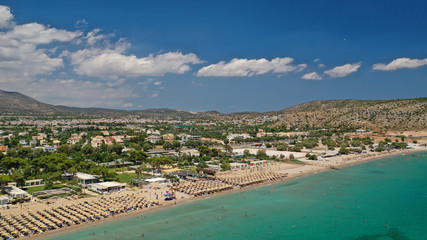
point(383, 199)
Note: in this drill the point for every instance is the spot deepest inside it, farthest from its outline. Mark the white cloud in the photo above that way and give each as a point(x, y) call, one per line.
point(24, 61)
point(249, 67)
point(316, 59)
point(301, 67)
point(108, 62)
point(21, 57)
point(5, 16)
point(157, 83)
point(154, 95)
point(82, 23)
point(344, 70)
point(36, 33)
point(127, 105)
point(312, 76)
point(321, 65)
point(400, 63)
point(78, 93)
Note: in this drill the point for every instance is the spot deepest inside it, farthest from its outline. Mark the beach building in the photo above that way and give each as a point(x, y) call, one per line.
point(4, 200)
point(86, 179)
point(15, 192)
point(156, 180)
point(107, 187)
point(34, 183)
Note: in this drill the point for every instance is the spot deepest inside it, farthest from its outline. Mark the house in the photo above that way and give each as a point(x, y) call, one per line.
point(50, 149)
point(23, 142)
point(97, 141)
point(195, 138)
point(184, 138)
point(33, 143)
point(154, 139)
point(85, 179)
point(231, 137)
point(3, 149)
point(107, 187)
point(169, 137)
point(75, 138)
point(118, 163)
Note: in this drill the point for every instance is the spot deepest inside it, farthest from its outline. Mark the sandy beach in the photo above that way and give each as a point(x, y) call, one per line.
point(149, 192)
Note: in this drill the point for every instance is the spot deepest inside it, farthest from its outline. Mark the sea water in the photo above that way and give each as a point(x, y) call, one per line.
point(383, 199)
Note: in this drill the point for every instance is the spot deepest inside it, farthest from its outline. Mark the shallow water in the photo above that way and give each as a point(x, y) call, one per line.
point(383, 199)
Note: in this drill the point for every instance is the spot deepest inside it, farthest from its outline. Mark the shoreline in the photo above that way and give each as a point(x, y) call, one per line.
point(169, 204)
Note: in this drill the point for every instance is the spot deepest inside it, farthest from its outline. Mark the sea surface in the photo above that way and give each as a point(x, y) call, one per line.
point(383, 199)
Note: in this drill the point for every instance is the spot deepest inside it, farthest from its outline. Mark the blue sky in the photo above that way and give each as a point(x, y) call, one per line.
point(228, 56)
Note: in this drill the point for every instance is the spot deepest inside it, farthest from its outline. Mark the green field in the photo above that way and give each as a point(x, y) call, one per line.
point(127, 177)
point(31, 190)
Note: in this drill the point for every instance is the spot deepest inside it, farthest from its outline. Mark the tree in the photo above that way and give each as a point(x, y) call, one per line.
point(87, 149)
point(138, 171)
point(167, 145)
point(225, 166)
point(291, 156)
point(147, 146)
point(228, 149)
point(115, 148)
point(204, 151)
point(344, 150)
point(137, 156)
point(4, 180)
point(176, 144)
point(261, 153)
point(157, 162)
point(202, 164)
point(282, 147)
point(19, 178)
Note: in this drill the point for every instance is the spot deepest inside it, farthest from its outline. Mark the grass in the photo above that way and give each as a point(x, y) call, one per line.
point(297, 161)
point(85, 195)
point(127, 177)
point(31, 190)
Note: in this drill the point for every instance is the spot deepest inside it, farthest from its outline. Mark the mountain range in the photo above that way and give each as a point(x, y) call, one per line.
point(392, 114)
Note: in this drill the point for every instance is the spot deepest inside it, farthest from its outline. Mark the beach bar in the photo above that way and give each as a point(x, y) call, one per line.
point(107, 187)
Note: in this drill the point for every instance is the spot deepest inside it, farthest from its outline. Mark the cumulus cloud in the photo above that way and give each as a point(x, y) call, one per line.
point(77, 93)
point(344, 70)
point(36, 33)
point(312, 76)
point(249, 67)
point(400, 63)
point(5, 16)
point(21, 56)
point(107, 62)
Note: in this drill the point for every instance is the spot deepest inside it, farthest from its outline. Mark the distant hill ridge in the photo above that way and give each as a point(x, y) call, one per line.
point(399, 113)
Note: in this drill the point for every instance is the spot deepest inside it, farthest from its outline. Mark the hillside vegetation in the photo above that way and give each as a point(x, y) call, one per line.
point(393, 114)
